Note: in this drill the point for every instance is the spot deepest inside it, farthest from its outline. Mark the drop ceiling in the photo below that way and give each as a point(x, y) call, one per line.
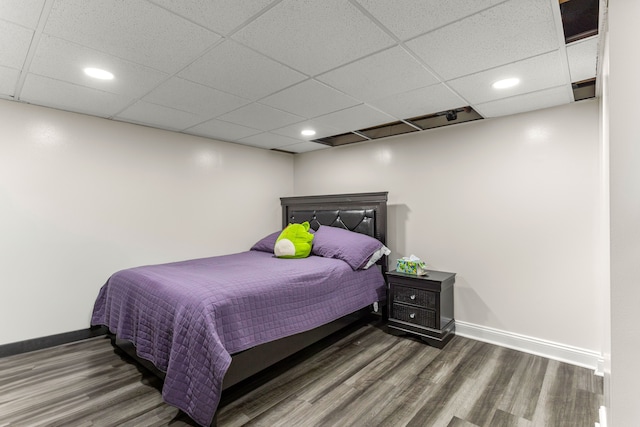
point(257, 72)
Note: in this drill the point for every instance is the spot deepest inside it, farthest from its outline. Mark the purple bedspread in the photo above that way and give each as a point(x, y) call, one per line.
point(189, 317)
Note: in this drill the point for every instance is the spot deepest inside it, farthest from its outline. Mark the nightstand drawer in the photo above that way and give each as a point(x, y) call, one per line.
point(414, 296)
point(415, 315)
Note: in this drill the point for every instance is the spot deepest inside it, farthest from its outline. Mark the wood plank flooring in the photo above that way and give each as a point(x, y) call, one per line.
point(360, 377)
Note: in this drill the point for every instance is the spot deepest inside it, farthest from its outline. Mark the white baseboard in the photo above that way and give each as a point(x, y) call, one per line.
point(552, 350)
point(603, 417)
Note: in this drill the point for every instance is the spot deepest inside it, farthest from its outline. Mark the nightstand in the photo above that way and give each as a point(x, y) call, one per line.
point(422, 306)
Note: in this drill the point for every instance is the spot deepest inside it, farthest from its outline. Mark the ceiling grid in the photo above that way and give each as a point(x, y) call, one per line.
point(259, 72)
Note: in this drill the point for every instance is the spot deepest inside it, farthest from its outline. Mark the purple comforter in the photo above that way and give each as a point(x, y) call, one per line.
point(189, 317)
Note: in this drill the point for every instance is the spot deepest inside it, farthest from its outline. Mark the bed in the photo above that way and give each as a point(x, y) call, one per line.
point(205, 325)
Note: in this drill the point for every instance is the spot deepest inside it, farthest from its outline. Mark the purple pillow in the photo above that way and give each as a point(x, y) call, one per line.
point(353, 248)
point(267, 243)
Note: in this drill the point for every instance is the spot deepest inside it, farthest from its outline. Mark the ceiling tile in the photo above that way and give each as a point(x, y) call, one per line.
point(386, 73)
point(409, 18)
point(135, 30)
point(23, 12)
point(8, 80)
point(309, 99)
point(159, 116)
point(235, 69)
point(14, 44)
point(221, 16)
point(224, 131)
point(260, 117)
point(294, 130)
point(194, 98)
point(310, 35)
point(268, 140)
point(583, 56)
point(304, 147)
point(508, 32)
point(537, 73)
point(527, 102)
point(63, 60)
point(66, 96)
point(420, 102)
point(354, 118)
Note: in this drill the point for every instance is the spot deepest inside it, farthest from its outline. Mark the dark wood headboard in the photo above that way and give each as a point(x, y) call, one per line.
point(360, 212)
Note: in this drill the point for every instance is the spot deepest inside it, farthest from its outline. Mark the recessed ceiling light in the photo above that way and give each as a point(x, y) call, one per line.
point(97, 73)
point(505, 83)
point(308, 132)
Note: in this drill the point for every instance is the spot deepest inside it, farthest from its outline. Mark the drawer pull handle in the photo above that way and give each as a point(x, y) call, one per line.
point(413, 296)
point(412, 315)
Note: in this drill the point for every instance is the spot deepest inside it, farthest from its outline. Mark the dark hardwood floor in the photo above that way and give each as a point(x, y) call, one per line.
point(360, 377)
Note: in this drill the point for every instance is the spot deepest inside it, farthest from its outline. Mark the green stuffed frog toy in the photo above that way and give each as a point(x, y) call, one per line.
point(294, 241)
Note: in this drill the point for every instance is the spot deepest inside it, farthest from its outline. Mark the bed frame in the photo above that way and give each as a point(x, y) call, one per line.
point(364, 213)
point(361, 212)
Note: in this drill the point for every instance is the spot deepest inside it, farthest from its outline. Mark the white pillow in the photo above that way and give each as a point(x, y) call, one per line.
point(376, 256)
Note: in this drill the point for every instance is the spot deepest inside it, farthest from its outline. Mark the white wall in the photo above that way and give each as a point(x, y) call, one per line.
point(82, 197)
point(509, 204)
point(624, 142)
